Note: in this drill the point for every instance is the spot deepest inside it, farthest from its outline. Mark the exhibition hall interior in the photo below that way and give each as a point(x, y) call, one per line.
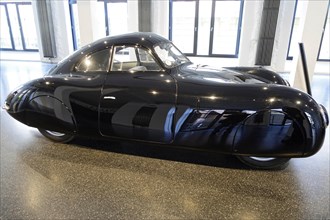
point(164, 109)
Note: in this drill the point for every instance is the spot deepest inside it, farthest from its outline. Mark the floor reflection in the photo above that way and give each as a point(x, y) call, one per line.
point(98, 179)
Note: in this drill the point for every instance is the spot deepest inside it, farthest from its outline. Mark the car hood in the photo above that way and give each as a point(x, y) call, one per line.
point(209, 75)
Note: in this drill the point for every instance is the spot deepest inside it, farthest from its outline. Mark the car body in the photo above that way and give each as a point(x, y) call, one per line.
point(140, 87)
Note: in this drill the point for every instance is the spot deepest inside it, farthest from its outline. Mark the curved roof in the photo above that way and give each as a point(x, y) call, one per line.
point(147, 39)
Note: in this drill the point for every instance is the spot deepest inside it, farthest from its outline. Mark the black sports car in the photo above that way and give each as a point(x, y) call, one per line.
point(140, 87)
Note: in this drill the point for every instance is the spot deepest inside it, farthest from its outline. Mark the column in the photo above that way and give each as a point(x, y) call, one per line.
point(250, 32)
point(282, 35)
point(85, 22)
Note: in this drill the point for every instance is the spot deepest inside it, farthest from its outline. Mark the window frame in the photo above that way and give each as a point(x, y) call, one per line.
point(194, 53)
point(106, 16)
point(73, 25)
point(10, 29)
point(324, 26)
point(238, 32)
point(211, 39)
point(21, 32)
point(288, 57)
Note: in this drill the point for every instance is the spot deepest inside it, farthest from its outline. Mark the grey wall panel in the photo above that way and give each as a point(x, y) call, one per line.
point(46, 28)
point(267, 32)
point(145, 15)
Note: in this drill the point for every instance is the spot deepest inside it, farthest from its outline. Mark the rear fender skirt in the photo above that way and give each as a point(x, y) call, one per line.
point(274, 133)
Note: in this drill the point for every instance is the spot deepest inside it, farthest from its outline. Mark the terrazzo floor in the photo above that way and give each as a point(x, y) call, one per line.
point(91, 179)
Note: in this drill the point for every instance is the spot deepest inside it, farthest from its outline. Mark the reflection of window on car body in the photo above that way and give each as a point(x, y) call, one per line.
point(132, 59)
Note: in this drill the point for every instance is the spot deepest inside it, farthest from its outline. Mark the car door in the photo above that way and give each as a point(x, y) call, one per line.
point(80, 89)
point(138, 97)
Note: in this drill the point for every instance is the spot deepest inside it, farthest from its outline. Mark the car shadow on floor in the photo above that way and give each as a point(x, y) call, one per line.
point(163, 152)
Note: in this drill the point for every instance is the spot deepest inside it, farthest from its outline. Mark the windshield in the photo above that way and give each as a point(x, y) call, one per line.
point(170, 55)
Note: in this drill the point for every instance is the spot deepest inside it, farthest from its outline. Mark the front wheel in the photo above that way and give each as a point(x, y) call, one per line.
point(56, 136)
point(265, 163)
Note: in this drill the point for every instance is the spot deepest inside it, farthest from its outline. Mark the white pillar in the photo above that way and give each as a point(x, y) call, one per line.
point(85, 21)
point(282, 35)
point(310, 33)
point(36, 21)
point(132, 16)
point(250, 32)
point(160, 17)
point(62, 29)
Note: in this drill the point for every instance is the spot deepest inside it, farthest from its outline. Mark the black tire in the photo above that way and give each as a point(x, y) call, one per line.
point(56, 136)
point(265, 163)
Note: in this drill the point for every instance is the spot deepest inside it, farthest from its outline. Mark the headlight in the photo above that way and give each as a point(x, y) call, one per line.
point(6, 106)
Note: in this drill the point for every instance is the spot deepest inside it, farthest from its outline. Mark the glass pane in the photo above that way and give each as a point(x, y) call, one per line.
point(15, 26)
point(147, 62)
point(117, 15)
point(170, 55)
point(204, 24)
point(98, 61)
point(28, 26)
point(4, 30)
point(325, 46)
point(226, 21)
point(294, 38)
point(183, 25)
point(124, 59)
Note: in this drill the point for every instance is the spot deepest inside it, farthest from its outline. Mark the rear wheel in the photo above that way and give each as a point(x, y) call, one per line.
point(56, 136)
point(265, 163)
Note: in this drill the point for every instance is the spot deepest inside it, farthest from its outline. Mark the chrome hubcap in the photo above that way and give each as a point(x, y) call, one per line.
point(54, 133)
point(263, 159)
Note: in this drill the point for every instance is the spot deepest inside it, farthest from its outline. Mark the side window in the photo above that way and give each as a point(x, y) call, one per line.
point(129, 58)
point(98, 61)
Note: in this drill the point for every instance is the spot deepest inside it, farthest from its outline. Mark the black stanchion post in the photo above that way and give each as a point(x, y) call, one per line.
point(304, 64)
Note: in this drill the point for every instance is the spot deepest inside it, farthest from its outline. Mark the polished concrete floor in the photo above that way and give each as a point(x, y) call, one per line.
point(91, 179)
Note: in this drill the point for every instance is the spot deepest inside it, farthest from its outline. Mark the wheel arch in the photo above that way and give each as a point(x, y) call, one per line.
point(273, 132)
point(48, 112)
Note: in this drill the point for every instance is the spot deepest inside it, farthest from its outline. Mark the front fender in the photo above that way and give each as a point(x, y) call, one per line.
point(50, 113)
point(40, 111)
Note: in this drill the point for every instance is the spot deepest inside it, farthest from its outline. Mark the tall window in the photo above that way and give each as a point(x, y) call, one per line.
point(18, 31)
point(74, 24)
point(324, 53)
point(206, 27)
point(184, 25)
point(116, 16)
point(111, 20)
point(293, 42)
